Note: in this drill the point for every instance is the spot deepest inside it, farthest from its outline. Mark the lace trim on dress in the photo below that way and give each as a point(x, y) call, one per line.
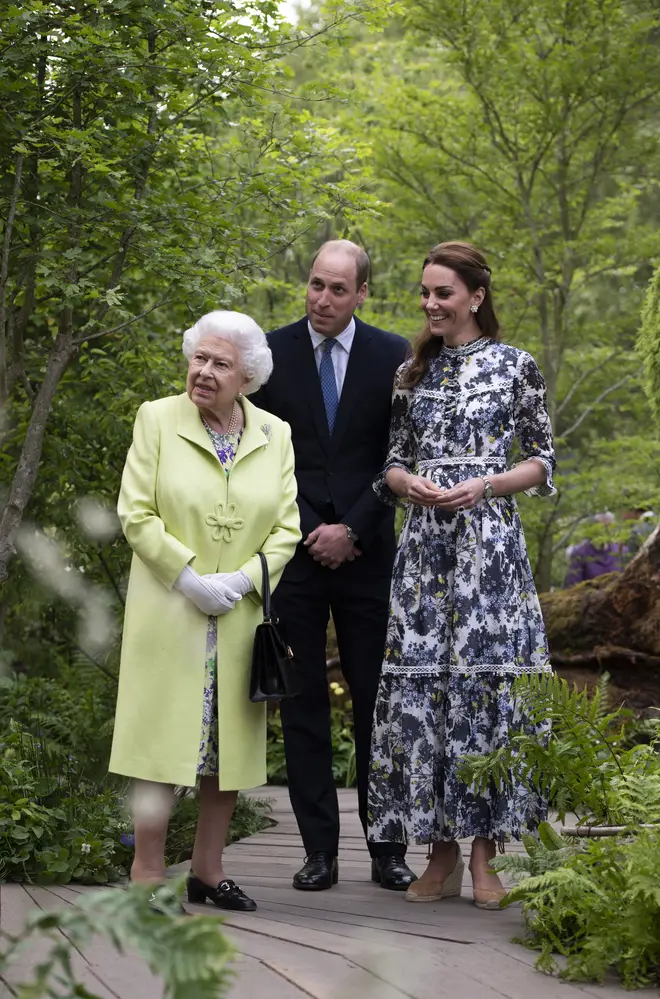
point(466, 348)
point(461, 459)
point(508, 669)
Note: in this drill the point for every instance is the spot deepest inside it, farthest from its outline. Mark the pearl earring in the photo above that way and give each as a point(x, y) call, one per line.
point(474, 308)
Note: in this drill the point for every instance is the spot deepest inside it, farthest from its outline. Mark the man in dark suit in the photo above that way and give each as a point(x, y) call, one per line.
point(332, 382)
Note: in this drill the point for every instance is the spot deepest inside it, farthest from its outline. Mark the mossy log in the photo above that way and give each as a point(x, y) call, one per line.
point(612, 624)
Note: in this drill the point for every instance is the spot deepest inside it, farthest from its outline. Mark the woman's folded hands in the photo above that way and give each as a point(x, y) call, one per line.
point(215, 593)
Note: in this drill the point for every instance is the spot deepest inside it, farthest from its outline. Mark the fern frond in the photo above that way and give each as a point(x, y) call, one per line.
point(190, 954)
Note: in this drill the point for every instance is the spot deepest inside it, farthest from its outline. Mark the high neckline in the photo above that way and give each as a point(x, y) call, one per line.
point(466, 348)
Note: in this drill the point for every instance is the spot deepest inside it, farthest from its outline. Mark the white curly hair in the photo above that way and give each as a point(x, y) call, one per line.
point(248, 338)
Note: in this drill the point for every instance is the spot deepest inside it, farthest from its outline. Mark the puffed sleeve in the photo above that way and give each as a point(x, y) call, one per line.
point(532, 423)
point(137, 508)
point(401, 448)
point(280, 544)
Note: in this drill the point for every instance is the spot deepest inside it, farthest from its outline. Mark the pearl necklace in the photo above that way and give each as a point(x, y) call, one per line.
point(232, 426)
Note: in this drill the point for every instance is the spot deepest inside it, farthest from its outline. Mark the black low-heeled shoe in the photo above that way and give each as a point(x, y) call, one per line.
point(227, 895)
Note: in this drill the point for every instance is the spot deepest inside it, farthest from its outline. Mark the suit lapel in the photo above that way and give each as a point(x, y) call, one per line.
point(254, 436)
point(356, 371)
point(304, 369)
point(191, 427)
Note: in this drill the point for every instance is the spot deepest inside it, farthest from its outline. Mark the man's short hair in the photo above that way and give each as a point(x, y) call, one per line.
point(362, 263)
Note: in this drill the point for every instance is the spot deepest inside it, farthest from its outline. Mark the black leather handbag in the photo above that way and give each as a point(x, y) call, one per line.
point(275, 672)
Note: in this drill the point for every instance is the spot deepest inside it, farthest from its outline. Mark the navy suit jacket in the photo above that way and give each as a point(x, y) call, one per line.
point(335, 473)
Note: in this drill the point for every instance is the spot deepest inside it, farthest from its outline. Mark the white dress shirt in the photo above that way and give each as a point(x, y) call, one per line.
point(340, 354)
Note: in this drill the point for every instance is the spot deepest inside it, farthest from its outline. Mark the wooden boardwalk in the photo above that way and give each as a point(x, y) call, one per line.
point(356, 941)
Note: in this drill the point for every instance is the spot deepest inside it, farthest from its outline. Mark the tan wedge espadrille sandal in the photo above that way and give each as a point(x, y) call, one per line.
point(424, 890)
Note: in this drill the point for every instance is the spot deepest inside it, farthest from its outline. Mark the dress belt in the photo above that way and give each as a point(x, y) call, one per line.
point(463, 459)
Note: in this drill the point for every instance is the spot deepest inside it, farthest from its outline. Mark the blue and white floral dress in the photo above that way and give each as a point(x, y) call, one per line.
point(464, 616)
point(225, 446)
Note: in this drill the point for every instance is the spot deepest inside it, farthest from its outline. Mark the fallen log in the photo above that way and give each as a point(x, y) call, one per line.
point(611, 623)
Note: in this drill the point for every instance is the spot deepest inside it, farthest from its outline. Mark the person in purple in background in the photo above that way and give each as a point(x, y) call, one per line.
point(587, 560)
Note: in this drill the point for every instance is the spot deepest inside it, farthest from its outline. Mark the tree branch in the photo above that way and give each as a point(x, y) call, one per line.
point(113, 581)
point(95, 662)
point(587, 374)
point(590, 408)
point(120, 326)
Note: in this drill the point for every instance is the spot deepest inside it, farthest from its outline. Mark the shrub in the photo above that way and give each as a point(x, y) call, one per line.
point(57, 825)
point(596, 904)
point(583, 767)
point(54, 825)
point(589, 906)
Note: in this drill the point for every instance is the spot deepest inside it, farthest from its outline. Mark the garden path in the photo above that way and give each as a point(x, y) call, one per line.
point(356, 941)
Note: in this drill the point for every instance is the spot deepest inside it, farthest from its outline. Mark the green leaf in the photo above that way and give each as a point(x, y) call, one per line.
point(549, 837)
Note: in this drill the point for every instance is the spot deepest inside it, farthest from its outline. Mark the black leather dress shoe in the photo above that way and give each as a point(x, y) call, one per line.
point(321, 871)
point(392, 872)
point(227, 895)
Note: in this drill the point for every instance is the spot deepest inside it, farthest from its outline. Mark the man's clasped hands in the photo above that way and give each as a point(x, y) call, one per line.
point(330, 544)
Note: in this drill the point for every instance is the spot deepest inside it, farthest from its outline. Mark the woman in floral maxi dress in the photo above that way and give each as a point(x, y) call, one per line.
point(465, 618)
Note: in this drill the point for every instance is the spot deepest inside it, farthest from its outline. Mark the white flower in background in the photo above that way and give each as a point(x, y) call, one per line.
point(85, 848)
point(49, 562)
point(98, 520)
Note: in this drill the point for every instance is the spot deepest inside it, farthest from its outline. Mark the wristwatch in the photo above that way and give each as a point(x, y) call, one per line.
point(352, 536)
point(488, 488)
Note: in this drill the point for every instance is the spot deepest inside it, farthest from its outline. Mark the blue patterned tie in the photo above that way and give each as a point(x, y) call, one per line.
point(329, 382)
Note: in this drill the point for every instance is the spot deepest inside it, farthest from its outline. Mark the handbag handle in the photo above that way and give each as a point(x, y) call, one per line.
point(265, 587)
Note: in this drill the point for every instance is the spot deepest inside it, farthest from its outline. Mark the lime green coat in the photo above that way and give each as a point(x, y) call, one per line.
point(177, 506)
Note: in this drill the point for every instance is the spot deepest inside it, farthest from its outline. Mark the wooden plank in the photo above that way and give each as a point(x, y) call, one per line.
point(367, 929)
point(317, 972)
point(468, 972)
point(16, 906)
point(379, 968)
point(100, 966)
point(454, 928)
point(356, 941)
point(256, 978)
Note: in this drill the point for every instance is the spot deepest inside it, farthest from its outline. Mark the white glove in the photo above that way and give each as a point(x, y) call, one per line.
point(238, 581)
point(212, 598)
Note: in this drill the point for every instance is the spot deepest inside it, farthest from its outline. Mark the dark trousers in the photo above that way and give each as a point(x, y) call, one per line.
point(357, 595)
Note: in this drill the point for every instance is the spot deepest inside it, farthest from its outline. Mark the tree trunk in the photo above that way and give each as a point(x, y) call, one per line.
point(612, 623)
point(28, 466)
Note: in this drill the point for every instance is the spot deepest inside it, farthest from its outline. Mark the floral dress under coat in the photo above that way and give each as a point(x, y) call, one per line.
point(464, 617)
point(226, 446)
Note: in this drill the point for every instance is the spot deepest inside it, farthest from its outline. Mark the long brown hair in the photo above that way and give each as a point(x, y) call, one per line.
point(474, 272)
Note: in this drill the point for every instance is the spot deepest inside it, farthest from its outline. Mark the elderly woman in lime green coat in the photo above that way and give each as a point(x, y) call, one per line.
point(208, 482)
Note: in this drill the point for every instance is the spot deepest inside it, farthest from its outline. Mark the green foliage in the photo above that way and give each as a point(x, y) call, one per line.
point(65, 718)
point(648, 343)
point(591, 906)
point(582, 766)
point(55, 824)
point(530, 130)
point(597, 905)
point(191, 954)
point(62, 817)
